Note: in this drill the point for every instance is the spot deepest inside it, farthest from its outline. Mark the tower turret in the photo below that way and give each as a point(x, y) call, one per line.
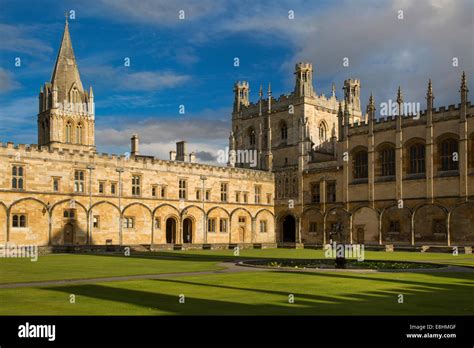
point(304, 80)
point(241, 95)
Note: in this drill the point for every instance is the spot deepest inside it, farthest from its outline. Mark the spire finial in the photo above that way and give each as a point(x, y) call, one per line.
point(65, 16)
point(260, 93)
point(463, 82)
point(371, 105)
point(333, 90)
point(399, 95)
point(430, 89)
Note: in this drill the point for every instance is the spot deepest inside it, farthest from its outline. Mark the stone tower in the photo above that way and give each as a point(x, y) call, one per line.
point(304, 80)
point(241, 98)
point(66, 110)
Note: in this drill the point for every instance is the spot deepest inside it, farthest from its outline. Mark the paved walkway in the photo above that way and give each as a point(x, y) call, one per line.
point(230, 267)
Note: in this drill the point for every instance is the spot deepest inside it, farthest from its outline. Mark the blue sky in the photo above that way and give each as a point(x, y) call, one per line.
point(190, 61)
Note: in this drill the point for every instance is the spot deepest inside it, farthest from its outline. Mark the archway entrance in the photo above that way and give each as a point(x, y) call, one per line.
point(289, 229)
point(187, 230)
point(170, 231)
point(68, 234)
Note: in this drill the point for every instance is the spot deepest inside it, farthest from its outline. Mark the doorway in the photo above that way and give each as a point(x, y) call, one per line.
point(289, 229)
point(187, 230)
point(68, 234)
point(170, 231)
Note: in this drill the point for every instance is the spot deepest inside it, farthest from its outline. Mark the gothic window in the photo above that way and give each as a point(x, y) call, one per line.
point(287, 187)
point(252, 137)
point(387, 160)
point(322, 132)
point(417, 158)
point(79, 133)
point(284, 131)
point(360, 165)
point(74, 98)
point(68, 132)
point(449, 149)
point(17, 178)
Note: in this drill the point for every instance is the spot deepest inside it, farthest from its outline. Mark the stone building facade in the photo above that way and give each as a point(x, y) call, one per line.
point(63, 192)
point(344, 175)
point(324, 170)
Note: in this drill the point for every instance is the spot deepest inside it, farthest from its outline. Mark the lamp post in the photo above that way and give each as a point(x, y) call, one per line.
point(120, 171)
point(89, 236)
point(203, 179)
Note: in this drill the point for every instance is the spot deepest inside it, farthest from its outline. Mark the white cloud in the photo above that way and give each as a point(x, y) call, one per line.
point(126, 79)
point(6, 82)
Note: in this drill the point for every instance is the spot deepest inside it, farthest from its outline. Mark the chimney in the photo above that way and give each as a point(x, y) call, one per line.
point(172, 155)
point(181, 154)
point(192, 157)
point(134, 145)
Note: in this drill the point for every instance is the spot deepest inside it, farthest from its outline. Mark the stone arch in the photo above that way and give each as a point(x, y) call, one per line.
point(171, 228)
point(160, 215)
point(71, 216)
point(217, 213)
point(396, 225)
point(241, 226)
point(312, 224)
point(105, 202)
point(105, 223)
point(37, 222)
point(141, 216)
point(264, 219)
point(337, 219)
point(430, 224)
point(69, 200)
point(218, 208)
point(197, 214)
point(263, 210)
point(3, 223)
point(365, 226)
point(461, 222)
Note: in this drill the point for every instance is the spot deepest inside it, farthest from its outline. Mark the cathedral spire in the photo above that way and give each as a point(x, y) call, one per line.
point(66, 73)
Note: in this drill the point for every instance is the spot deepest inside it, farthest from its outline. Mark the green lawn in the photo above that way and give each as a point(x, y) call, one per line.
point(73, 266)
point(249, 293)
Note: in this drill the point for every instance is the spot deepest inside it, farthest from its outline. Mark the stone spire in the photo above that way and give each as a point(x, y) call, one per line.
point(65, 75)
point(464, 82)
point(371, 114)
point(269, 97)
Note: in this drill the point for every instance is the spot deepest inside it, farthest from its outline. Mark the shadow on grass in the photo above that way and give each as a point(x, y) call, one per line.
point(421, 298)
